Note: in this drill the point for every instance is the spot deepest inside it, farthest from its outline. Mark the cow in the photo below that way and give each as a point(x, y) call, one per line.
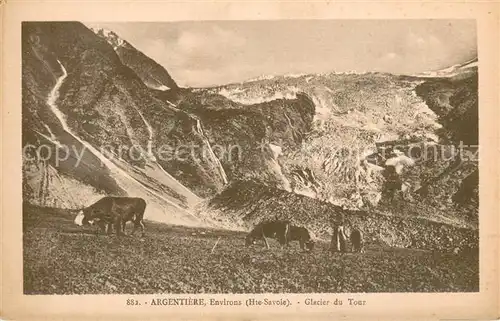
point(272, 229)
point(301, 234)
point(114, 211)
point(356, 238)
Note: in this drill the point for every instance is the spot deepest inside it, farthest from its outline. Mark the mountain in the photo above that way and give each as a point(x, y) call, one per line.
point(454, 99)
point(320, 136)
point(361, 114)
point(150, 72)
point(352, 113)
point(77, 94)
point(119, 136)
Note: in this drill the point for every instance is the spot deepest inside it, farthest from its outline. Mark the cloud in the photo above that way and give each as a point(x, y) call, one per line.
point(415, 52)
point(391, 55)
point(209, 52)
point(415, 41)
point(196, 53)
point(208, 39)
point(226, 73)
point(154, 48)
point(206, 48)
point(423, 42)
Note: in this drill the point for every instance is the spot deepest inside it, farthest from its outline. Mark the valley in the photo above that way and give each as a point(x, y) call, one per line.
point(214, 161)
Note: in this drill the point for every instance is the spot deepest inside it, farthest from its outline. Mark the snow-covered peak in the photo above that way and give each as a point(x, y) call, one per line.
point(103, 31)
point(112, 38)
point(272, 76)
point(452, 70)
point(294, 75)
point(347, 72)
point(262, 77)
point(246, 97)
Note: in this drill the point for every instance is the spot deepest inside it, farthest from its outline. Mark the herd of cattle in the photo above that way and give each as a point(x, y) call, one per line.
point(114, 212)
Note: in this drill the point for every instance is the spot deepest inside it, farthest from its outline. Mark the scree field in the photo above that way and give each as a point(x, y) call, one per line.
point(62, 258)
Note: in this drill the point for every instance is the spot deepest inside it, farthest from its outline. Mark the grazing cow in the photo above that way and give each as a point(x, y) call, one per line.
point(113, 210)
point(301, 234)
point(356, 238)
point(273, 229)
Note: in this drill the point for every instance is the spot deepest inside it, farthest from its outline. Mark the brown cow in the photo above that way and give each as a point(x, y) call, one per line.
point(301, 234)
point(281, 230)
point(114, 210)
point(272, 229)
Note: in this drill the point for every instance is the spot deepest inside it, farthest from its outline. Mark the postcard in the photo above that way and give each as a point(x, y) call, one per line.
point(250, 160)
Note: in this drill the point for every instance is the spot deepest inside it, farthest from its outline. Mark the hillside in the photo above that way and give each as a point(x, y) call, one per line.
point(59, 258)
point(77, 91)
point(78, 94)
point(246, 203)
point(151, 73)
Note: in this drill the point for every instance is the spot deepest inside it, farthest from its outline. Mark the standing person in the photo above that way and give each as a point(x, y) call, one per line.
point(339, 238)
point(392, 183)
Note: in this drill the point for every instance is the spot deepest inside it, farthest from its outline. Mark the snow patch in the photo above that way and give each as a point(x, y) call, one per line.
point(322, 110)
point(273, 76)
point(52, 136)
point(277, 150)
point(305, 192)
point(348, 72)
point(450, 71)
point(294, 75)
point(262, 77)
point(111, 37)
point(163, 88)
point(211, 153)
point(399, 162)
point(470, 65)
point(150, 138)
point(288, 93)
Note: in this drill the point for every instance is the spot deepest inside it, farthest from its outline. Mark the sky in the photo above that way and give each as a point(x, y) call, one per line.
point(208, 53)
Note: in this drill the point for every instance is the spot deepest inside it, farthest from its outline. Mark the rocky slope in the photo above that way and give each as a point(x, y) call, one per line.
point(150, 72)
point(358, 117)
point(246, 203)
point(455, 100)
point(250, 140)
